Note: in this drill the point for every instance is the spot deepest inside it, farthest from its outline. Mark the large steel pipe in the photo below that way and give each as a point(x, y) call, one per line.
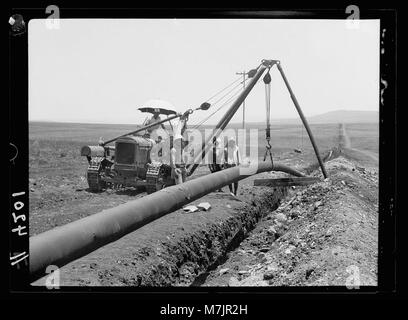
point(64, 244)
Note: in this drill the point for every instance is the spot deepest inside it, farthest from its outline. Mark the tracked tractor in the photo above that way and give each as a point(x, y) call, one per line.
point(129, 162)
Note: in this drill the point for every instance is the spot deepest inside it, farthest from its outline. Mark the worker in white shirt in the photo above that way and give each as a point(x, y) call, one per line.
point(155, 118)
point(178, 161)
point(178, 156)
point(232, 159)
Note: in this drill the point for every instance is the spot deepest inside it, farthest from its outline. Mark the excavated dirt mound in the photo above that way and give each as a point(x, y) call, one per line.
point(324, 234)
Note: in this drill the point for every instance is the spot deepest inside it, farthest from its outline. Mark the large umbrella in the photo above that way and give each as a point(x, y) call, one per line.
point(156, 105)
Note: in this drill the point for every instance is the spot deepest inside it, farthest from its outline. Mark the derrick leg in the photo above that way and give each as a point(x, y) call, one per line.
point(309, 132)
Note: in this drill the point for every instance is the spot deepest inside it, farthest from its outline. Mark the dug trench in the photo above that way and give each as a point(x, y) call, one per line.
point(325, 234)
point(178, 248)
point(194, 249)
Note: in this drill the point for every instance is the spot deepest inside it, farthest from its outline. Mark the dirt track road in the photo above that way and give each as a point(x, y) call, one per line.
point(347, 145)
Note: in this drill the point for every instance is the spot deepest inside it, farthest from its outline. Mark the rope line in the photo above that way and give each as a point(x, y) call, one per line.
point(236, 86)
point(216, 94)
point(218, 109)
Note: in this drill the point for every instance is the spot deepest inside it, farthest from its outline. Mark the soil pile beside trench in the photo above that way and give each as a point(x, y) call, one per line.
point(325, 234)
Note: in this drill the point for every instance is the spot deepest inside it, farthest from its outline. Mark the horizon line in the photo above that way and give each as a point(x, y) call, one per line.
point(239, 122)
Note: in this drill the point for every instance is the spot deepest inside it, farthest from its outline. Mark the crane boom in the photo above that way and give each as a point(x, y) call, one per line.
point(266, 64)
point(143, 128)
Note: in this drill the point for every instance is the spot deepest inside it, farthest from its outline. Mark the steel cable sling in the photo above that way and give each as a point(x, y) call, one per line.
point(267, 81)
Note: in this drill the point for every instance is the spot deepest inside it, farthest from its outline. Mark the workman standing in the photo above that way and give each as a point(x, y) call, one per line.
point(178, 156)
point(217, 158)
point(177, 160)
point(155, 118)
point(232, 159)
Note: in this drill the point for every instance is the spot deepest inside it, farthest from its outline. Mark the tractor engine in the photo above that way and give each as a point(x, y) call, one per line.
point(128, 164)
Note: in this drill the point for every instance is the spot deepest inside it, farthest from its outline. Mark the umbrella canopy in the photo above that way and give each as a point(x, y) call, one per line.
point(161, 106)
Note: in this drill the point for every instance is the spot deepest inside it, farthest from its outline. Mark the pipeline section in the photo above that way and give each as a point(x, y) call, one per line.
point(69, 242)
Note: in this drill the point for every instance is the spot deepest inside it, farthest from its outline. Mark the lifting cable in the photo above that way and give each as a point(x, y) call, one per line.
point(226, 102)
point(267, 81)
point(222, 90)
point(218, 109)
point(221, 106)
point(234, 88)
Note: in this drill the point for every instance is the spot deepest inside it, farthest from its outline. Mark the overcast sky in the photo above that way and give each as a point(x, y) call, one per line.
point(101, 70)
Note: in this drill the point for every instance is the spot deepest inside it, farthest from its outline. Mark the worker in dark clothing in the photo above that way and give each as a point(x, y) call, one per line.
point(217, 159)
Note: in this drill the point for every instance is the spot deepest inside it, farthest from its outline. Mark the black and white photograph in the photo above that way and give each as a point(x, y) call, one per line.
point(220, 153)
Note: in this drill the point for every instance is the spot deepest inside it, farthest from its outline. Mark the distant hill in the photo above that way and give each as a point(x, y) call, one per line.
point(346, 116)
point(337, 116)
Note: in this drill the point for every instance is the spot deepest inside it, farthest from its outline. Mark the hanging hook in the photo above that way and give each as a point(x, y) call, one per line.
point(268, 150)
point(267, 81)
